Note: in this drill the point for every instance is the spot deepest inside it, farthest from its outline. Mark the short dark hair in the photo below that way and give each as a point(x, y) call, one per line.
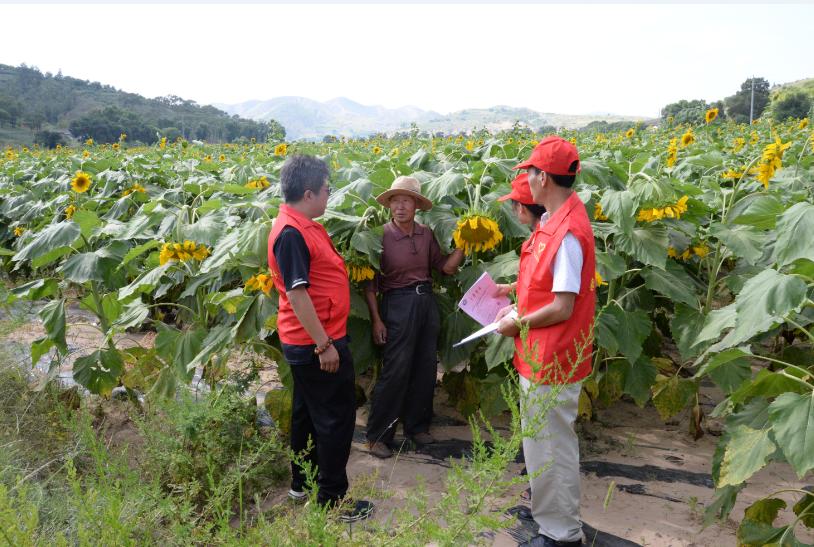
point(301, 173)
point(566, 181)
point(536, 210)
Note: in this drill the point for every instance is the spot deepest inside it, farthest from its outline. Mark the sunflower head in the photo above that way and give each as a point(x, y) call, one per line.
point(359, 272)
point(80, 182)
point(281, 149)
point(69, 211)
point(711, 114)
point(803, 123)
point(687, 138)
point(630, 132)
point(18, 231)
point(477, 232)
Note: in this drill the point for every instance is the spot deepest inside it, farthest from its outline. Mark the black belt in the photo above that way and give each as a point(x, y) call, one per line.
point(417, 288)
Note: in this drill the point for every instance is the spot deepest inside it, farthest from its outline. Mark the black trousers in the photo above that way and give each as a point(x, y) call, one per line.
point(405, 386)
point(324, 409)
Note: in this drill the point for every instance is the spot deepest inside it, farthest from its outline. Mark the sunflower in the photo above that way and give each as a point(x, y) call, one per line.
point(672, 152)
point(258, 184)
point(222, 157)
point(281, 149)
point(81, 182)
point(701, 250)
point(476, 232)
point(470, 145)
point(803, 123)
point(687, 138)
point(359, 272)
point(672, 252)
point(598, 215)
point(115, 146)
point(123, 137)
point(738, 144)
point(260, 282)
point(89, 142)
point(598, 279)
point(711, 114)
point(162, 144)
point(85, 154)
point(771, 161)
point(182, 252)
point(630, 132)
point(133, 189)
point(69, 211)
point(18, 231)
point(377, 150)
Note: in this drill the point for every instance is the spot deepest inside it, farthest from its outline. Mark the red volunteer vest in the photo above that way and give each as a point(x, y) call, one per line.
point(556, 347)
point(329, 287)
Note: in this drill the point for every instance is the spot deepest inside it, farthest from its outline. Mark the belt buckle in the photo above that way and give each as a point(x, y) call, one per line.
point(418, 289)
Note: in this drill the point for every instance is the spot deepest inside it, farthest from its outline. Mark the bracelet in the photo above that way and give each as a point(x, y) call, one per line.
point(319, 350)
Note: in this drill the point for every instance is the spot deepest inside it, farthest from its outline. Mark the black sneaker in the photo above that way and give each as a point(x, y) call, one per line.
point(359, 510)
point(541, 540)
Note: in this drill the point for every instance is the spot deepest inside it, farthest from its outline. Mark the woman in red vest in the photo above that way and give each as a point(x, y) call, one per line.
point(312, 282)
point(556, 301)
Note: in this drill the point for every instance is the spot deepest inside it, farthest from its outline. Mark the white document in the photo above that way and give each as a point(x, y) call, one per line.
point(480, 302)
point(488, 329)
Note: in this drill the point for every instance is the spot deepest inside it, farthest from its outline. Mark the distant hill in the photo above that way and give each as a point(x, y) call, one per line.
point(308, 119)
point(32, 102)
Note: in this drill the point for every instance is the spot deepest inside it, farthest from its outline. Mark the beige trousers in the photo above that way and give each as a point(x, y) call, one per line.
point(555, 491)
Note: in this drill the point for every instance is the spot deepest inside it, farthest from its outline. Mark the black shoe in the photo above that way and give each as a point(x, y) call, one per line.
point(359, 510)
point(544, 541)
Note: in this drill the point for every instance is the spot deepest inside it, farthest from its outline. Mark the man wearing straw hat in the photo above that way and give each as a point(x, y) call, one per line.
point(407, 324)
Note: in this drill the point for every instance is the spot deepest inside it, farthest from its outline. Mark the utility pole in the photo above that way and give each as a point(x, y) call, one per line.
point(752, 102)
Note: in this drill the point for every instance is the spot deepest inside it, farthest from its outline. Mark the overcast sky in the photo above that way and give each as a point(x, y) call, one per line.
point(575, 59)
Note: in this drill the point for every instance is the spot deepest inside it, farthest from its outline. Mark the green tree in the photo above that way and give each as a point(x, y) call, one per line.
point(49, 139)
point(685, 111)
point(739, 104)
point(793, 105)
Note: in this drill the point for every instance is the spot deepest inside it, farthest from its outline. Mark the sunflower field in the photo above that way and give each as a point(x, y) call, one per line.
point(705, 259)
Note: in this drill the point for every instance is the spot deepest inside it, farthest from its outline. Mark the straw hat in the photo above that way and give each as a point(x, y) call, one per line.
point(407, 186)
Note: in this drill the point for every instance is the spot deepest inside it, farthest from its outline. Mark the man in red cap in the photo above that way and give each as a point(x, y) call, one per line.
point(556, 301)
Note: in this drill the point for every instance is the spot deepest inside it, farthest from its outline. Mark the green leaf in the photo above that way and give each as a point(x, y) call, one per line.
point(745, 454)
point(647, 244)
point(53, 319)
point(728, 369)
point(499, 350)
point(722, 504)
point(673, 282)
point(791, 243)
point(138, 250)
point(368, 242)
point(766, 384)
point(84, 267)
point(207, 231)
point(685, 326)
point(610, 266)
point(216, 340)
point(132, 315)
point(792, 419)
point(760, 212)
point(671, 395)
point(765, 299)
point(715, 323)
point(640, 376)
point(144, 283)
point(52, 239)
point(448, 184)
point(362, 347)
point(743, 241)
point(36, 290)
point(187, 345)
point(620, 208)
point(99, 372)
point(756, 534)
point(764, 510)
point(87, 220)
point(39, 348)
point(805, 510)
point(621, 331)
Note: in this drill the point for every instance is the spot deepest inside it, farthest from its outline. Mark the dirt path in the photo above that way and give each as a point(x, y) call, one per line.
point(655, 476)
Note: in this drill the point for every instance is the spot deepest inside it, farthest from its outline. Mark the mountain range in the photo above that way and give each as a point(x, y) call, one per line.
point(309, 119)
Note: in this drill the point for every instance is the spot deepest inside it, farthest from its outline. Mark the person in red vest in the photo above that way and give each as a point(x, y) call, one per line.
point(314, 290)
point(556, 300)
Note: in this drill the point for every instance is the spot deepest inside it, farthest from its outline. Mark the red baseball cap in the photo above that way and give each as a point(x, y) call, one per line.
point(521, 192)
point(553, 155)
